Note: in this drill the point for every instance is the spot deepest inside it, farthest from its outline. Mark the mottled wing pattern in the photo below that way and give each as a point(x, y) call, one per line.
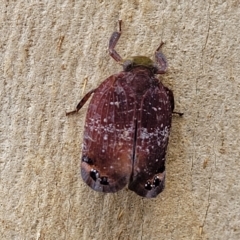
point(109, 136)
point(153, 128)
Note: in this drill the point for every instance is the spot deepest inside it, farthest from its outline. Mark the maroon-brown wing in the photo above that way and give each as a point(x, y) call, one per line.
point(109, 136)
point(153, 127)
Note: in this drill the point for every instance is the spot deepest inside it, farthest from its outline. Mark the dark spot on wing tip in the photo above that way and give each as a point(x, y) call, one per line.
point(148, 185)
point(88, 160)
point(156, 182)
point(94, 174)
point(104, 181)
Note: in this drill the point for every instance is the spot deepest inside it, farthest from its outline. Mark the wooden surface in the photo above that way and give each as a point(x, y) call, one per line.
point(53, 53)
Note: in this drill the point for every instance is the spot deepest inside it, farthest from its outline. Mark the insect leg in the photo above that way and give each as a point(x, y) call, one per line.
point(82, 102)
point(178, 113)
point(161, 60)
point(112, 43)
point(171, 98)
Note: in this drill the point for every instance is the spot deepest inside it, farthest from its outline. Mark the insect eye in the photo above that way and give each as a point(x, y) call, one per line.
point(88, 160)
point(104, 181)
point(127, 65)
point(94, 174)
point(148, 185)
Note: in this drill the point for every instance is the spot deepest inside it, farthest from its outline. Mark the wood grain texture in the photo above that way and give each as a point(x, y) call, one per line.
point(49, 49)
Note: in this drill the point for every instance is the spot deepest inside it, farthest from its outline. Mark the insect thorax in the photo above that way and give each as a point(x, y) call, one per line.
point(138, 61)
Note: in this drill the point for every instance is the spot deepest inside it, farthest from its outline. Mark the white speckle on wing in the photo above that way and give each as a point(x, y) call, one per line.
point(105, 137)
point(115, 103)
point(159, 134)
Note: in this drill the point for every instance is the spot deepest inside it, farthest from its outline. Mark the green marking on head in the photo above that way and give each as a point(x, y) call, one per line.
point(137, 61)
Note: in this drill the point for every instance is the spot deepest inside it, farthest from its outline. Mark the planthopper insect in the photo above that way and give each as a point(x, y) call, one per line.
point(127, 127)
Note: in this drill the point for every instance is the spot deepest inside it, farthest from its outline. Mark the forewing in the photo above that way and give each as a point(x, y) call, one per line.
point(109, 136)
point(153, 127)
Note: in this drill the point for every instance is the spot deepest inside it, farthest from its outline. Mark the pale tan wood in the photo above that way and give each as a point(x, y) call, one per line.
point(49, 50)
